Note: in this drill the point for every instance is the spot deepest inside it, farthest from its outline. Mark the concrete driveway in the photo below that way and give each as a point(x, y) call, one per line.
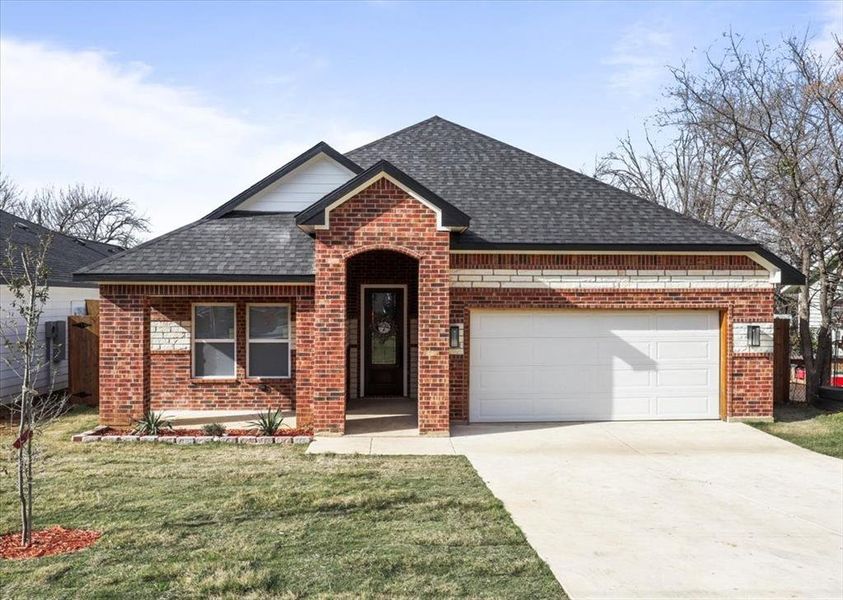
point(670, 509)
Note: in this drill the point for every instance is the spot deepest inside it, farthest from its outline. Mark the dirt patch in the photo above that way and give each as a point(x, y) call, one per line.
point(47, 542)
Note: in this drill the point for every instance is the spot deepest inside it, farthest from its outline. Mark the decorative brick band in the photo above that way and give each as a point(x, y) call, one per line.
point(169, 336)
point(611, 278)
point(730, 262)
point(740, 340)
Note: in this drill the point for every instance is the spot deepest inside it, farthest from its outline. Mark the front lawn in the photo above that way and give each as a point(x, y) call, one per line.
point(809, 427)
point(266, 521)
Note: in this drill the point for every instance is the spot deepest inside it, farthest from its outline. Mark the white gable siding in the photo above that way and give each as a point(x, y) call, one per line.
point(58, 308)
point(301, 188)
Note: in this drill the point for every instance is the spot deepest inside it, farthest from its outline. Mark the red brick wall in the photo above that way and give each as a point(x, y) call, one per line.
point(749, 376)
point(134, 379)
point(123, 360)
point(171, 385)
point(381, 217)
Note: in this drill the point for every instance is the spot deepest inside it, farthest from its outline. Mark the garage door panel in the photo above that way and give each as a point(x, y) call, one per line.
point(676, 406)
point(503, 352)
point(617, 352)
point(564, 381)
point(684, 377)
point(594, 365)
point(560, 352)
point(684, 350)
point(494, 382)
point(625, 378)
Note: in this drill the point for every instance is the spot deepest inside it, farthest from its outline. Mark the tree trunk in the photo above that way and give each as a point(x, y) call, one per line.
point(805, 339)
point(26, 533)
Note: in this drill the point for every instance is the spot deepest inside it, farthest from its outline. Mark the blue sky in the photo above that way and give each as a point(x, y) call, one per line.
point(181, 105)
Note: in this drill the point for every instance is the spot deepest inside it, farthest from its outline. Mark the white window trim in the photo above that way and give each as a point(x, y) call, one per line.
point(193, 340)
point(288, 340)
point(362, 344)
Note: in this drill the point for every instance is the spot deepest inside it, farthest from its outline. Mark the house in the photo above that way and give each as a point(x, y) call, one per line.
point(439, 264)
point(67, 297)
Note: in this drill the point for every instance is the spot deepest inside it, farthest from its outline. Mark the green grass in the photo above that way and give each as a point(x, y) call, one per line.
point(265, 522)
point(809, 427)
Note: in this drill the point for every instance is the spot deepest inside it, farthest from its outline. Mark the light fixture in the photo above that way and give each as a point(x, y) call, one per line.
point(454, 336)
point(753, 335)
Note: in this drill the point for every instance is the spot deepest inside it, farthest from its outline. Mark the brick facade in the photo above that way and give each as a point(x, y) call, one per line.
point(381, 218)
point(383, 236)
point(749, 385)
point(137, 375)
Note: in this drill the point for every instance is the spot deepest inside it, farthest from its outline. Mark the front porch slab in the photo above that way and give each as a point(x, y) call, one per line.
point(382, 417)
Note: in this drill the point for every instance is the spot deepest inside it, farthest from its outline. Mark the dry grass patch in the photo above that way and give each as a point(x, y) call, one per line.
point(267, 521)
point(809, 427)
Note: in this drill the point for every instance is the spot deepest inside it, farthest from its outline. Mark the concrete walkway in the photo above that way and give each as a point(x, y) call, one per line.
point(658, 510)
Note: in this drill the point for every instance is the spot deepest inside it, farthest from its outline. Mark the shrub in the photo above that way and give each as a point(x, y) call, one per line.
point(216, 429)
point(269, 422)
point(152, 424)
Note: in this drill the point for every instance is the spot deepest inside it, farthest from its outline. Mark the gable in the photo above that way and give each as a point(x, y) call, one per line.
point(300, 188)
point(317, 216)
point(318, 169)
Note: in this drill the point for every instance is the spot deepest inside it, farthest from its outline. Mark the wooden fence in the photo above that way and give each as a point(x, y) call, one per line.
point(83, 336)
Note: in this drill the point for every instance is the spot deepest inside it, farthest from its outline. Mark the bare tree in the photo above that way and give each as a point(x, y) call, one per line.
point(25, 274)
point(690, 173)
point(11, 198)
point(91, 213)
point(767, 124)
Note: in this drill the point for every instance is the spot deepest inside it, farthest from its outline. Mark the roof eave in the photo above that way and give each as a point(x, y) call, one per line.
point(788, 275)
point(193, 277)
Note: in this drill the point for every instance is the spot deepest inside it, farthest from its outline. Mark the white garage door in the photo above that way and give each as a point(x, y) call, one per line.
point(594, 365)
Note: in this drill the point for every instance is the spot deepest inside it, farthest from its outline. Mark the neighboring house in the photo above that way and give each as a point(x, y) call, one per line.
point(442, 265)
point(66, 297)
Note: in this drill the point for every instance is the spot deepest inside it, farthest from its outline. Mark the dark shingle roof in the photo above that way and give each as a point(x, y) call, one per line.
point(65, 255)
point(238, 247)
point(514, 197)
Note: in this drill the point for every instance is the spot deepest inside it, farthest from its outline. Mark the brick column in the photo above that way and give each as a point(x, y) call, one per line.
point(328, 362)
point(434, 360)
point(124, 358)
point(304, 362)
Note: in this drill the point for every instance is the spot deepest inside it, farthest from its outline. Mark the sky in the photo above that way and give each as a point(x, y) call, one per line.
point(181, 105)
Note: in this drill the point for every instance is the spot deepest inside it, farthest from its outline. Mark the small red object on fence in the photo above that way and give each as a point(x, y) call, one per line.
point(22, 439)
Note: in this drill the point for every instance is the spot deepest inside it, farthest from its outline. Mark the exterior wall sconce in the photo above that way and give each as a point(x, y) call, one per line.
point(753, 336)
point(454, 337)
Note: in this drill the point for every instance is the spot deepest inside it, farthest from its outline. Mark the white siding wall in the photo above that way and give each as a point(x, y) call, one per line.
point(301, 188)
point(58, 308)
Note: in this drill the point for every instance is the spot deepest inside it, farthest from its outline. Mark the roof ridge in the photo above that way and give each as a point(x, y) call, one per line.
point(400, 131)
point(577, 174)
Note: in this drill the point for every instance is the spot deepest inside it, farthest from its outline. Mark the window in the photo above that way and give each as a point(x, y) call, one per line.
point(268, 340)
point(213, 340)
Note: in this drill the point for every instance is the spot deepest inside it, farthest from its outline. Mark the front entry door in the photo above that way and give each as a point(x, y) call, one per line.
point(383, 339)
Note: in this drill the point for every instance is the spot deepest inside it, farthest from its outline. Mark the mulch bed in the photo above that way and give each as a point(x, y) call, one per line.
point(47, 542)
point(285, 432)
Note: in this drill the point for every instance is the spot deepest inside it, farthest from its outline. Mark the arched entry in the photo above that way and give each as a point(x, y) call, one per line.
point(382, 342)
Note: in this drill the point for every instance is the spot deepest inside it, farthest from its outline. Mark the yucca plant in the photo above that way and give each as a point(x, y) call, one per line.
point(152, 423)
point(216, 429)
point(269, 422)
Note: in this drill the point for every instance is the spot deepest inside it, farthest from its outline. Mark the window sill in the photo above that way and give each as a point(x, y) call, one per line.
point(212, 380)
point(266, 379)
